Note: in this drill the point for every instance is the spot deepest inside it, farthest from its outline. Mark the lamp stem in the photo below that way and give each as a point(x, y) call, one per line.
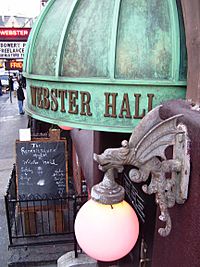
point(108, 191)
point(108, 179)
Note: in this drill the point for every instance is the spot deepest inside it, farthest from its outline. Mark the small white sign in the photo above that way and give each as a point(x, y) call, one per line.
point(12, 50)
point(25, 134)
point(2, 71)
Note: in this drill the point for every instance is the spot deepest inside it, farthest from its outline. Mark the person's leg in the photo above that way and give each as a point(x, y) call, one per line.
point(20, 107)
point(23, 106)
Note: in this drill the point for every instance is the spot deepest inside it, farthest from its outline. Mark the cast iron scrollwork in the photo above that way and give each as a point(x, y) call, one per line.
point(145, 151)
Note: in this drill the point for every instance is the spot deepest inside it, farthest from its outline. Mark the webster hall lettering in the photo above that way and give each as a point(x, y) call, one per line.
point(79, 102)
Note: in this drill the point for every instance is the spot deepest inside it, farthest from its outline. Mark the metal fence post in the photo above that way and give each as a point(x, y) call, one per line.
point(8, 219)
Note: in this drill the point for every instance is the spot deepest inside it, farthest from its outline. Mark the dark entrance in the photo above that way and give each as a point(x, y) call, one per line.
point(145, 207)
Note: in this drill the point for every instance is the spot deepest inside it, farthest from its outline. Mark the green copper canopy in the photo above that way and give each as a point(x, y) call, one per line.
point(102, 65)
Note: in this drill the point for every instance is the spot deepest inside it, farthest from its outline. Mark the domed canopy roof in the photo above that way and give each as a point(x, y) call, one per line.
point(106, 44)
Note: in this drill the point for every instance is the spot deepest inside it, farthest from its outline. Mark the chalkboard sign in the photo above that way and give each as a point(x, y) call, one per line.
point(41, 167)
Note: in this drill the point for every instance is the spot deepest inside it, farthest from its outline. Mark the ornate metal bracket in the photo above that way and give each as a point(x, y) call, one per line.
point(145, 151)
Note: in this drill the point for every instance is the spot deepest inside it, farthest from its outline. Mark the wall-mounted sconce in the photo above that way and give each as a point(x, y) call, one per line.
point(107, 227)
point(145, 151)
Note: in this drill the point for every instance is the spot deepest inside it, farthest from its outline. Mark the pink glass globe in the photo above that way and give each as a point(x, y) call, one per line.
point(106, 232)
point(66, 128)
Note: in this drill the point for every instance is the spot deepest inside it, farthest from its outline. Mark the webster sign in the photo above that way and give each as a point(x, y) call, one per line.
point(115, 107)
point(13, 42)
point(14, 34)
point(74, 102)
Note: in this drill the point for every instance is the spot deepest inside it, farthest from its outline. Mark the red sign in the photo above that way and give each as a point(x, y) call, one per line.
point(14, 65)
point(14, 34)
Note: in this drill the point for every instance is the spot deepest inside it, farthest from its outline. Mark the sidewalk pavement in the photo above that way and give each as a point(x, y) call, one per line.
point(10, 123)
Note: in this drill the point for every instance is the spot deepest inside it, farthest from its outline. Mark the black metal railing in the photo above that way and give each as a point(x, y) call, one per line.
point(133, 196)
point(11, 193)
point(42, 219)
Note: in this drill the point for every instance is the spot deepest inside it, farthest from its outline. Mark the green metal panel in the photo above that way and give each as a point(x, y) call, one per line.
point(183, 52)
point(144, 49)
point(95, 49)
point(87, 46)
point(44, 54)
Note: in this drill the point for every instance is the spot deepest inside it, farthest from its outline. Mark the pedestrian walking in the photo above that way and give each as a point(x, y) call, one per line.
point(23, 82)
point(20, 98)
point(15, 85)
point(11, 86)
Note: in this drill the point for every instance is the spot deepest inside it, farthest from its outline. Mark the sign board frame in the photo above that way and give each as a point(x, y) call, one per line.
point(33, 142)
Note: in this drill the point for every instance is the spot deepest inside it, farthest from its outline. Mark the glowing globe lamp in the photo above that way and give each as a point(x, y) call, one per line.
point(106, 232)
point(66, 128)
